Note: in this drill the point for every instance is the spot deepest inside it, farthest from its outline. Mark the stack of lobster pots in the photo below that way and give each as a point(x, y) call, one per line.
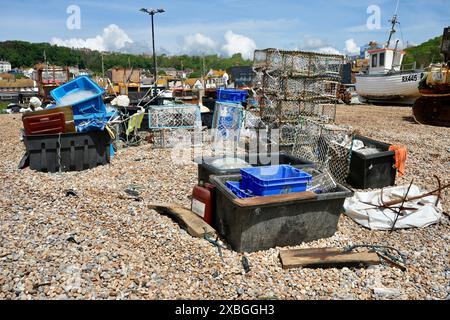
point(294, 85)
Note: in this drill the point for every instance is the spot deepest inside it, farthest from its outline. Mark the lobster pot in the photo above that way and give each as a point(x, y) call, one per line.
point(288, 134)
point(269, 59)
point(312, 64)
point(252, 121)
point(269, 110)
point(297, 63)
point(326, 65)
point(327, 145)
point(257, 80)
point(176, 138)
point(271, 84)
point(319, 110)
point(175, 117)
point(289, 109)
point(301, 87)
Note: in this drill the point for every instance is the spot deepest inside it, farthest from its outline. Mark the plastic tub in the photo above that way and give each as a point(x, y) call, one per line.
point(273, 180)
point(235, 187)
point(275, 224)
point(45, 124)
point(207, 165)
point(83, 94)
point(232, 96)
point(68, 152)
point(372, 171)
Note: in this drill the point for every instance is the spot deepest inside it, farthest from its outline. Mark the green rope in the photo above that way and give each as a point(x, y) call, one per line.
point(215, 242)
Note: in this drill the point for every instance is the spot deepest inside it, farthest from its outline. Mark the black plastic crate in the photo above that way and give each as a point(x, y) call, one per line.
point(206, 169)
point(251, 229)
point(70, 152)
point(372, 171)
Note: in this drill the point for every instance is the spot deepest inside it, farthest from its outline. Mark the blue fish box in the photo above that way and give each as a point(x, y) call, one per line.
point(235, 187)
point(274, 180)
point(83, 94)
point(232, 96)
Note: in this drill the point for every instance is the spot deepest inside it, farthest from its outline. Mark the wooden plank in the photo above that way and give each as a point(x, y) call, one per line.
point(278, 199)
point(326, 258)
point(187, 219)
point(306, 252)
point(68, 116)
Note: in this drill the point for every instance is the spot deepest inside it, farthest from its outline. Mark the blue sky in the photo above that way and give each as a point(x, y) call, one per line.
point(224, 26)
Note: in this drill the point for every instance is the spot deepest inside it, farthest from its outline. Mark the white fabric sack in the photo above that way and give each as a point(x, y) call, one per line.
point(383, 219)
point(123, 101)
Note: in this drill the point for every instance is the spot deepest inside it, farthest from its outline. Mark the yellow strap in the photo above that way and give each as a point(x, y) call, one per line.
point(111, 133)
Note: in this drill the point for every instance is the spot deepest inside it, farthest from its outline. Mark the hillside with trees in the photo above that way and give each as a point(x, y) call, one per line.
point(426, 53)
point(26, 54)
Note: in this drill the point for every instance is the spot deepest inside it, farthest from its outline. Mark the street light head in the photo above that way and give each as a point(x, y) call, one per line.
point(152, 11)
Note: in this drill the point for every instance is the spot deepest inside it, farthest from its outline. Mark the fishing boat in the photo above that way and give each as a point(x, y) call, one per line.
point(387, 79)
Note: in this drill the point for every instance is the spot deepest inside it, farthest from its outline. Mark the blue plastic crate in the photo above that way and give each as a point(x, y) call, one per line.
point(83, 94)
point(233, 96)
point(274, 180)
point(235, 187)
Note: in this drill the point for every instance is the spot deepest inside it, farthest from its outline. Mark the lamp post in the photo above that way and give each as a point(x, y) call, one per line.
point(152, 12)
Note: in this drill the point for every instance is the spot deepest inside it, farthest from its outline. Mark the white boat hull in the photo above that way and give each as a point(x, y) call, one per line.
point(397, 88)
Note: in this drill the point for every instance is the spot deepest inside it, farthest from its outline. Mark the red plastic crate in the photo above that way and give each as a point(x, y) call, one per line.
point(45, 124)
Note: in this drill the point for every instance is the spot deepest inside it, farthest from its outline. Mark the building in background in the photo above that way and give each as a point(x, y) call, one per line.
point(215, 79)
point(17, 91)
point(5, 66)
point(172, 72)
point(241, 76)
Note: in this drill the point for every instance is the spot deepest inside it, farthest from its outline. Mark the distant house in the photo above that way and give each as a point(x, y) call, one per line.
point(5, 66)
point(215, 79)
point(17, 90)
point(193, 83)
point(241, 76)
point(172, 72)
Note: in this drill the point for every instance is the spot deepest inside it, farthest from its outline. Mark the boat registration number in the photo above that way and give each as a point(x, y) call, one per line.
point(411, 78)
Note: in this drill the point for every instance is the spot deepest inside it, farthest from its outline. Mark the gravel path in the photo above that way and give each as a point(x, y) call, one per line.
point(100, 246)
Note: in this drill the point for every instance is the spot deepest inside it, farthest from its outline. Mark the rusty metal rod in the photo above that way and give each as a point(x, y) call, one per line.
point(432, 193)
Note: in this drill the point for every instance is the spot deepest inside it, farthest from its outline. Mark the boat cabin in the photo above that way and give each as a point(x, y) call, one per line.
point(383, 61)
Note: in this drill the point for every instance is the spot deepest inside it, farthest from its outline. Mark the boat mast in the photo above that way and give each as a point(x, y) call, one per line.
point(394, 21)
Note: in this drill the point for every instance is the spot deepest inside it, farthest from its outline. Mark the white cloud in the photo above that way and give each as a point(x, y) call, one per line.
point(328, 50)
point(113, 38)
point(198, 44)
point(351, 47)
point(312, 44)
point(236, 43)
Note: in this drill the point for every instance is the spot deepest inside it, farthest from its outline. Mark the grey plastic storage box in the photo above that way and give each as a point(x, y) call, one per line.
point(71, 152)
point(372, 171)
point(206, 167)
point(251, 229)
